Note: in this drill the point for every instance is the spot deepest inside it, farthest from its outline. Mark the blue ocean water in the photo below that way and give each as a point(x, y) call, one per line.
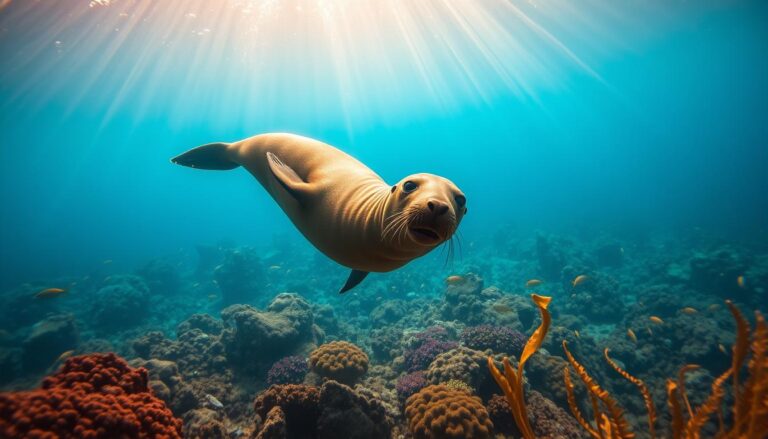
point(633, 123)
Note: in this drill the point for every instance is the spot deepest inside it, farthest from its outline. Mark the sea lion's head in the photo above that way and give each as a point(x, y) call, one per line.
point(424, 211)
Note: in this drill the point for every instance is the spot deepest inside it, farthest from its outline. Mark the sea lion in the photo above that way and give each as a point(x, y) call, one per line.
point(340, 205)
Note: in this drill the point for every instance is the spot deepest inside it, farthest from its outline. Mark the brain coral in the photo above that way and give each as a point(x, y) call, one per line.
point(92, 396)
point(339, 360)
point(461, 364)
point(439, 412)
point(499, 339)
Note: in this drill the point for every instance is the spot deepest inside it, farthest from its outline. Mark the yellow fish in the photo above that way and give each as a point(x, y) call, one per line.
point(65, 355)
point(722, 348)
point(454, 279)
point(689, 310)
point(502, 308)
point(49, 292)
point(656, 320)
point(740, 281)
point(576, 331)
point(631, 335)
point(533, 283)
point(580, 279)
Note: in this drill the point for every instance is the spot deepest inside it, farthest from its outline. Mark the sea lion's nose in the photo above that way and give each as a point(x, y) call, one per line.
point(437, 207)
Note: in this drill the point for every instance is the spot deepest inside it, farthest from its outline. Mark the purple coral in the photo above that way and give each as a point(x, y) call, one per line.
point(431, 333)
point(499, 339)
point(288, 370)
point(409, 384)
point(419, 358)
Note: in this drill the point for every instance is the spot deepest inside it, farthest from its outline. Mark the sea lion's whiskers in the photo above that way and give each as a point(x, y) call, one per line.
point(394, 220)
point(457, 234)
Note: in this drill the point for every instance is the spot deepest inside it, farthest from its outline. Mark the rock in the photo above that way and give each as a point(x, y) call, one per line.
point(49, 339)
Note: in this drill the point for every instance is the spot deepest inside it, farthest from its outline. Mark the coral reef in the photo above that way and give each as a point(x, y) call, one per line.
point(424, 354)
point(204, 423)
point(239, 276)
point(409, 384)
point(348, 414)
point(461, 363)
point(340, 361)
point(300, 406)
point(161, 276)
point(97, 396)
point(254, 339)
point(122, 303)
point(439, 412)
point(288, 370)
point(499, 339)
point(334, 410)
point(48, 339)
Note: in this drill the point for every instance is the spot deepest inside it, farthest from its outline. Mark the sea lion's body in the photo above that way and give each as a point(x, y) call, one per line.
point(336, 202)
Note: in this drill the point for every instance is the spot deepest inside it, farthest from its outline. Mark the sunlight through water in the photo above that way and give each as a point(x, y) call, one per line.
point(354, 60)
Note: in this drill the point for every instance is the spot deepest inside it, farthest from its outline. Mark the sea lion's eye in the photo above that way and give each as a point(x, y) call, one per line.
point(461, 200)
point(409, 187)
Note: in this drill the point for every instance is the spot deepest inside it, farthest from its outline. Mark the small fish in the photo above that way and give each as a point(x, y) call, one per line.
point(215, 403)
point(576, 331)
point(454, 279)
point(656, 320)
point(106, 261)
point(533, 283)
point(502, 308)
point(689, 310)
point(631, 335)
point(713, 307)
point(722, 348)
point(64, 355)
point(196, 284)
point(49, 292)
point(274, 267)
point(580, 279)
point(212, 297)
point(740, 281)
point(648, 330)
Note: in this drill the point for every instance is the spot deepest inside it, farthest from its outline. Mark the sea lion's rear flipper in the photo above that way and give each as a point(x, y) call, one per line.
point(288, 178)
point(211, 156)
point(355, 277)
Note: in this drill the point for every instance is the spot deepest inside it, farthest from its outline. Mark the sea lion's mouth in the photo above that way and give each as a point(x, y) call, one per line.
point(424, 235)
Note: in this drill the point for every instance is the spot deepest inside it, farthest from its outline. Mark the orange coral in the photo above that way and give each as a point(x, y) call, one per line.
point(511, 382)
point(339, 360)
point(439, 412)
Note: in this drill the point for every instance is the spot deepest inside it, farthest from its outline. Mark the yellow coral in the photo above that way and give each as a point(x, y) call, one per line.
point(439, 412)
point(339, 360)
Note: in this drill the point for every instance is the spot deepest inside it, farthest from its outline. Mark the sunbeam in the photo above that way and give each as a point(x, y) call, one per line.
point(354, 61)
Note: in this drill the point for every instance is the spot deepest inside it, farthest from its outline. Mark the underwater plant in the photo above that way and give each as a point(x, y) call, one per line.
point(511, 381)
point(750, 399)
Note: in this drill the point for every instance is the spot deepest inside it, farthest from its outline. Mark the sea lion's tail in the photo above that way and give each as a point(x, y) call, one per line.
point(214, 156)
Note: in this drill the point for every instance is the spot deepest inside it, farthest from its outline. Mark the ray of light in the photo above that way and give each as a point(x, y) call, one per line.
point(234, 62)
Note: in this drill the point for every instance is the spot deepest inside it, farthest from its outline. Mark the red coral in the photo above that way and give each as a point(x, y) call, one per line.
point(92, 396)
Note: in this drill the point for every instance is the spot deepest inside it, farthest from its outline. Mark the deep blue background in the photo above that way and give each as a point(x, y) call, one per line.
point(673, 132)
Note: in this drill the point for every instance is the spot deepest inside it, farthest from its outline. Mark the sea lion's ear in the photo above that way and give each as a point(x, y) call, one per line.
point(287, 177)
point(355, 277)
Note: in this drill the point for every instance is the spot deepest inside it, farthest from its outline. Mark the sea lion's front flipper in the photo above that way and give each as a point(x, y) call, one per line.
point(355, 277)
point(288, 178)
point(211, 156)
